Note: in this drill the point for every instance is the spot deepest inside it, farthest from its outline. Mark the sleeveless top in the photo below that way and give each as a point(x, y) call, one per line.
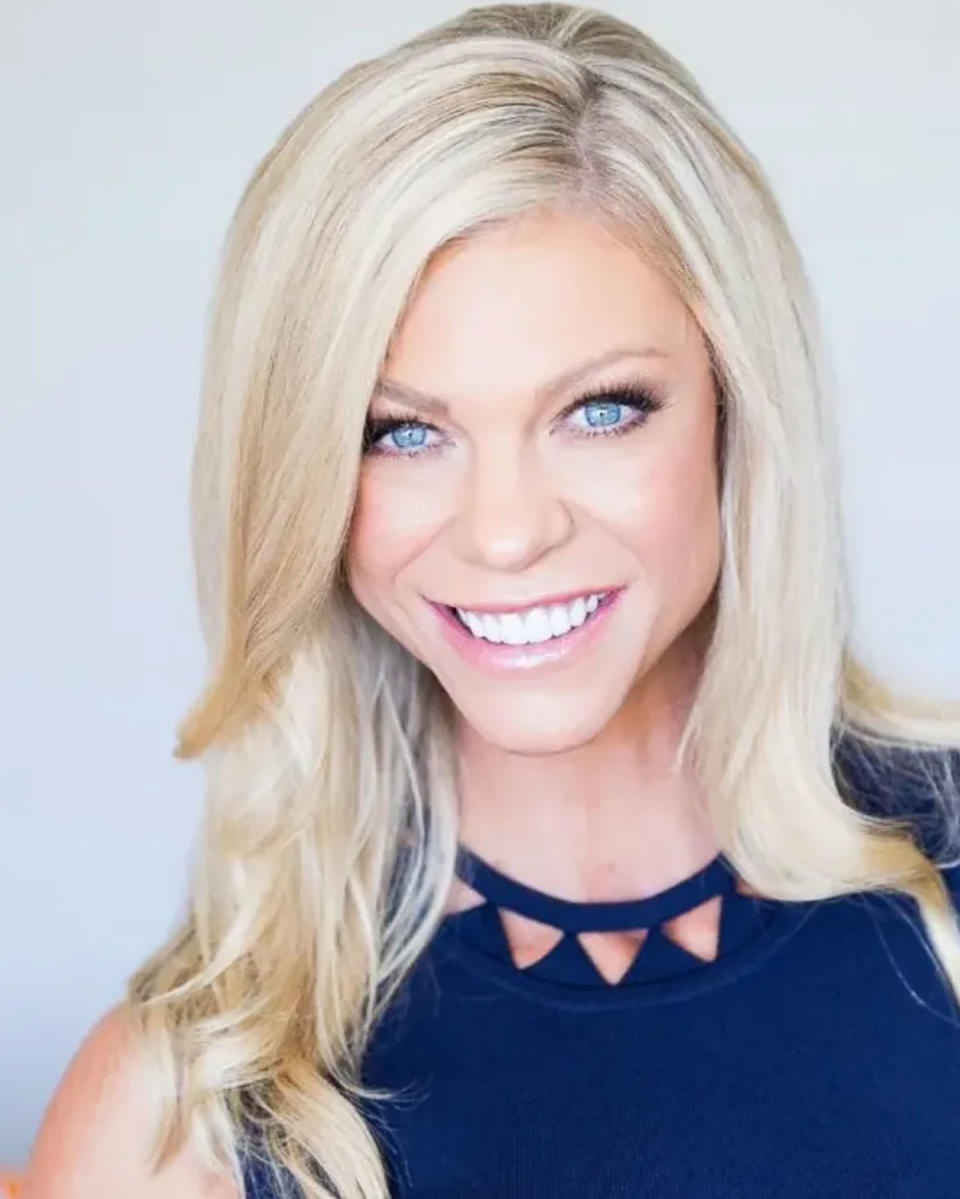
point(815, 1054)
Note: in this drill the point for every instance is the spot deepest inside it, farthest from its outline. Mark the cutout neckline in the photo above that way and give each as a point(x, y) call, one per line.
point(598, 915)
point(750, 928)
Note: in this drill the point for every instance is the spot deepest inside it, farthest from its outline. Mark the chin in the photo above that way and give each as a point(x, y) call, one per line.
point(535, 729)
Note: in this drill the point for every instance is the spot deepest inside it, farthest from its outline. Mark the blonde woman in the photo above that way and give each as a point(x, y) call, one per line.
point(556, 843)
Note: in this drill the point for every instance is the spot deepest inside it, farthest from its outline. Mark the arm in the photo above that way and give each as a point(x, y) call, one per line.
point(93, 1139)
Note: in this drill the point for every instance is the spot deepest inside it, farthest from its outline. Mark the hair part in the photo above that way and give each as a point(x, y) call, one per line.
point(329, 834)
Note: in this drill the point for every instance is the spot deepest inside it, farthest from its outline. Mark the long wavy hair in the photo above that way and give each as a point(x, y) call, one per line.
point(329, 833)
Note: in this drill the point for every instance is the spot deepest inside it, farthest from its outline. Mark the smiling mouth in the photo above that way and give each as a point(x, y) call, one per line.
point(531, 626)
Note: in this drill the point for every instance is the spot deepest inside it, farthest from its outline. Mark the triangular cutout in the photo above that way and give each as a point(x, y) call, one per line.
point(528, 940)
point(462, 897)
point(697, 931)
point(614, 953)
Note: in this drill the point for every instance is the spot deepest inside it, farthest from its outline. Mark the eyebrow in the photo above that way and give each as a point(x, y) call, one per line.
point(433, 404)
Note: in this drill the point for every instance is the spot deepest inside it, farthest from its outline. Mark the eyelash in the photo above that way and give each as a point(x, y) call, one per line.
point(643, 399)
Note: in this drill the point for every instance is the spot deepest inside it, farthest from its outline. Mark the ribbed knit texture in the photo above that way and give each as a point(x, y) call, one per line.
point(816, 1057)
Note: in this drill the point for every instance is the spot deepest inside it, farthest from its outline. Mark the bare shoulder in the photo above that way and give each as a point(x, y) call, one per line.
point(94, 1137)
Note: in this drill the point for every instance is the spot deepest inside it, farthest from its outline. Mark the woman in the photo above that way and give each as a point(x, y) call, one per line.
point(556, 842)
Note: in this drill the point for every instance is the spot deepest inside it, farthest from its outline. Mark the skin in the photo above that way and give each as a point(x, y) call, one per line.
point(564, 772)
point(564, 779)
point(96, 1133)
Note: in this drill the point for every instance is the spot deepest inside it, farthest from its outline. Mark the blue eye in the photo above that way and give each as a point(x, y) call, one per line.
point(604, 409)
point(406, 435)
point(609, 412)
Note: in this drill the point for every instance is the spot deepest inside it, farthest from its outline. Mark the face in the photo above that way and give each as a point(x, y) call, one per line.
point(541, 460)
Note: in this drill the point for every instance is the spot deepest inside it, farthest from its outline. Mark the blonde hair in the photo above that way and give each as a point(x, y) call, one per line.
point(330, 829)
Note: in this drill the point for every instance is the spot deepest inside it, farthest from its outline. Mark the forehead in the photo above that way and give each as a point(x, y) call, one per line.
point(517, 305)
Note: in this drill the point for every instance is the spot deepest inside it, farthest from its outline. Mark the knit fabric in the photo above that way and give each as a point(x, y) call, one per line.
point(816, 1055)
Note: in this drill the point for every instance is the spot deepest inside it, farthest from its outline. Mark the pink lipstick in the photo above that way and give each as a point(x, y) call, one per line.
point(503, 658)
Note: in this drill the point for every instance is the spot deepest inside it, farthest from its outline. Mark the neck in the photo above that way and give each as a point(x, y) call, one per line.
point(605, 820)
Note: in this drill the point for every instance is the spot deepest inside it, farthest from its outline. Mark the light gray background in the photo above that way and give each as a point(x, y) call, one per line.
point(131, 129)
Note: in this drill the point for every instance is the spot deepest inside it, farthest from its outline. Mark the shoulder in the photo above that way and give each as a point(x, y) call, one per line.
point(95, 1134)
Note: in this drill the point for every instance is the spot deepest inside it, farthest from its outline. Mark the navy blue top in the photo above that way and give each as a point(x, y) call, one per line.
point(816, 1056)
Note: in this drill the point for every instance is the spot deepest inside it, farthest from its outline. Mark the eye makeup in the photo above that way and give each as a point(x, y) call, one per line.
point(641, 400)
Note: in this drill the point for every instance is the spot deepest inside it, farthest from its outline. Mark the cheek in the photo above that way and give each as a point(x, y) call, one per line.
point(389, 527)
point(667, 514)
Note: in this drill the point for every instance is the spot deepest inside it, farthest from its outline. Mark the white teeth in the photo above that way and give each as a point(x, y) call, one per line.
point(537, 625)
point(513, 628)
point(491, 629)
point(475, 623)
point(559, 620)
point(533, 625)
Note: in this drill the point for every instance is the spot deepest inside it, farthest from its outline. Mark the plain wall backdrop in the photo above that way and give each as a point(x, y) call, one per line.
point(131, 129)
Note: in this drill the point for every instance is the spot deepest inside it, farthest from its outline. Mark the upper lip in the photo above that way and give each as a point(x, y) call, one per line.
point(543, 601)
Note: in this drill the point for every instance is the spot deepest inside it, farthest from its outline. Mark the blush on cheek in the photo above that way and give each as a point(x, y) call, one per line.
point(388, 535)
point(671, 518)
point(689, 536)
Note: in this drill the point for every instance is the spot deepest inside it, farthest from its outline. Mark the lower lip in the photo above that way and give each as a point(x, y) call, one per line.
point(511, 658)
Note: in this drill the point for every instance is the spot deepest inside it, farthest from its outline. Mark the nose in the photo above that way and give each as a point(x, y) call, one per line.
point(511, 511)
